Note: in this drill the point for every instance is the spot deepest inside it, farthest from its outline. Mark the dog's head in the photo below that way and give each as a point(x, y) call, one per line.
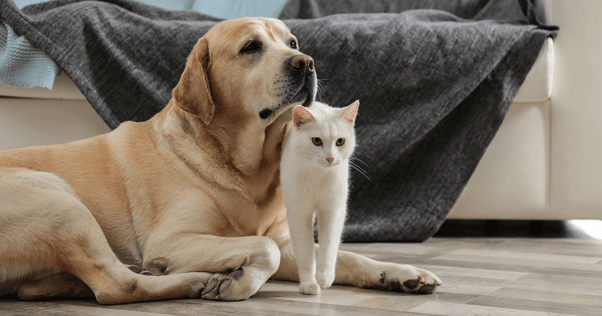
point(250, 65)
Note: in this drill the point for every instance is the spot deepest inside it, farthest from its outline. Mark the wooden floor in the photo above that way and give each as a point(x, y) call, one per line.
point(487, 268)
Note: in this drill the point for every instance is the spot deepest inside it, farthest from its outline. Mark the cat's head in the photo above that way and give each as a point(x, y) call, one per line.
point(325, 135)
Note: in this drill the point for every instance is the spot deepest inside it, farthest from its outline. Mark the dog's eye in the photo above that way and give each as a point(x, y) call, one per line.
point(340, 141)
point(293, 44)
point(317, 141)
point(251, 47)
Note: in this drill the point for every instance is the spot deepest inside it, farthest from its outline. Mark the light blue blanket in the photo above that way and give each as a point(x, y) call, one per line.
point(24, 65)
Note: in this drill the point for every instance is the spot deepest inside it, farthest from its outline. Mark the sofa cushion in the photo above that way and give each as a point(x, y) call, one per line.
point(63, 88)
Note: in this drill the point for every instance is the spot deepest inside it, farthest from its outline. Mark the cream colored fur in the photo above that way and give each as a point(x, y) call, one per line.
point(187, 204)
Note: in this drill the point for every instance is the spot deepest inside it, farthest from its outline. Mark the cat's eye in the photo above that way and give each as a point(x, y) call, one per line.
point(340, 141)
point(317, 141)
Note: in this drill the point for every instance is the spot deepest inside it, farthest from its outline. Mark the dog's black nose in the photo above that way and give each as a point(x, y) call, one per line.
point(302, 63)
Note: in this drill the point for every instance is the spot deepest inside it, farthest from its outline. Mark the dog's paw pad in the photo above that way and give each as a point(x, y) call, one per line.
point(408, 279)
point(227, 287)
point(413, 284)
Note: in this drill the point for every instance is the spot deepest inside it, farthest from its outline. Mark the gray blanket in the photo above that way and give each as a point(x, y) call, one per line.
point(434, 86)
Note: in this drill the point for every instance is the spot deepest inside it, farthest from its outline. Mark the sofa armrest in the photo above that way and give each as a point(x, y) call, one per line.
point(538, 85)
point(576, 149)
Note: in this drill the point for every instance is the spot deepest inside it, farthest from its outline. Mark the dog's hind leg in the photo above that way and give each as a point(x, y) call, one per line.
point(46, 235)
point(62, 284)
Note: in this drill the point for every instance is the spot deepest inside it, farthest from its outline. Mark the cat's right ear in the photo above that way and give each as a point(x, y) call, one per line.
point(350, 112)
point(301, 116)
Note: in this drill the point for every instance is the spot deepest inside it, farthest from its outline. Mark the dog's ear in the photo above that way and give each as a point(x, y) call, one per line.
point(193, 94)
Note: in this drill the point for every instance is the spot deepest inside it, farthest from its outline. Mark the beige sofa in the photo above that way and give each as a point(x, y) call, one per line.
point(542, 164)
point(38, 116)
point(546, 160)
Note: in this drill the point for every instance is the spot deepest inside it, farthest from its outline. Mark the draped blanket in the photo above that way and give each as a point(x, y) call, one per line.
point(434, 84)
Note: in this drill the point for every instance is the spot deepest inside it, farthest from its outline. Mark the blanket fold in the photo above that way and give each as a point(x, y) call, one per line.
point(434, 87)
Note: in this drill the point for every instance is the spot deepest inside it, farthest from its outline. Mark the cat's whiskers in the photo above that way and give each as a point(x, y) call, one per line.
point(356, 166)
point(360, 170)
point(365, 164)
point(320, 91)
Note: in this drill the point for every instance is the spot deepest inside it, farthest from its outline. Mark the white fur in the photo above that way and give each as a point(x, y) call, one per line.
point(311, 186)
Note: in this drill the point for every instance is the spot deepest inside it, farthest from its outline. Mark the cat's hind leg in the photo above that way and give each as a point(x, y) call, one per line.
point(61, 284)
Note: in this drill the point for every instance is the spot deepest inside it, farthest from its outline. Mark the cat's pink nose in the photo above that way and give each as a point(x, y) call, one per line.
point(329, 159)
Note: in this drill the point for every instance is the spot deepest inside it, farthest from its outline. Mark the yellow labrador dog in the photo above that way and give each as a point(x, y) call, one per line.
point(187, 204)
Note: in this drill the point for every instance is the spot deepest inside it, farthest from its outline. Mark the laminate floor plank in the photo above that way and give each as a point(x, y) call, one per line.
point(505, 274)
point(572, 299)
point(451, 309)
point(536, 306)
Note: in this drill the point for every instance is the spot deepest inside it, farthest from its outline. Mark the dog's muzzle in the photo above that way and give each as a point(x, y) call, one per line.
point(302, 67)
point(301, 74)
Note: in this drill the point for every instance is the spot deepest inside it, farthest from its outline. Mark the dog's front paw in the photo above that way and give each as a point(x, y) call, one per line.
point(406, 278)
point(228, 287)
point(138, 270)
point(325, 277)
point(309, 288)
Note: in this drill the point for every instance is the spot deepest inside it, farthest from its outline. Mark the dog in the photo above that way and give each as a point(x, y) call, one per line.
point(187, 204)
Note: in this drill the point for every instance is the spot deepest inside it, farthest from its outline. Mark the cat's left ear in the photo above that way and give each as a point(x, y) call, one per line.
point(301, 116)
point(350, 112)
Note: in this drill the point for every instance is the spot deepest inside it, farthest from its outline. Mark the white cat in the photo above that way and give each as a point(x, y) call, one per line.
point(314, 173)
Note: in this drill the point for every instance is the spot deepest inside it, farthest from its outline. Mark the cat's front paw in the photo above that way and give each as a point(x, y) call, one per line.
point(325, 277)
point(309, 288)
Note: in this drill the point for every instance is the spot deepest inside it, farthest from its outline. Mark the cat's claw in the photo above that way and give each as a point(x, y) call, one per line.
point(309, 288)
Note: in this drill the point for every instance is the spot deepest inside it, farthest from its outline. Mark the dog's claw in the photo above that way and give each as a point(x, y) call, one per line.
point(224, 285)
point(139, 270)
point(210, 287)
point(221, 286)
point(134, 268)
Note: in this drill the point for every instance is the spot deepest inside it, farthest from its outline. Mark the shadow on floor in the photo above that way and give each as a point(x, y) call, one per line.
point(509, 229)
